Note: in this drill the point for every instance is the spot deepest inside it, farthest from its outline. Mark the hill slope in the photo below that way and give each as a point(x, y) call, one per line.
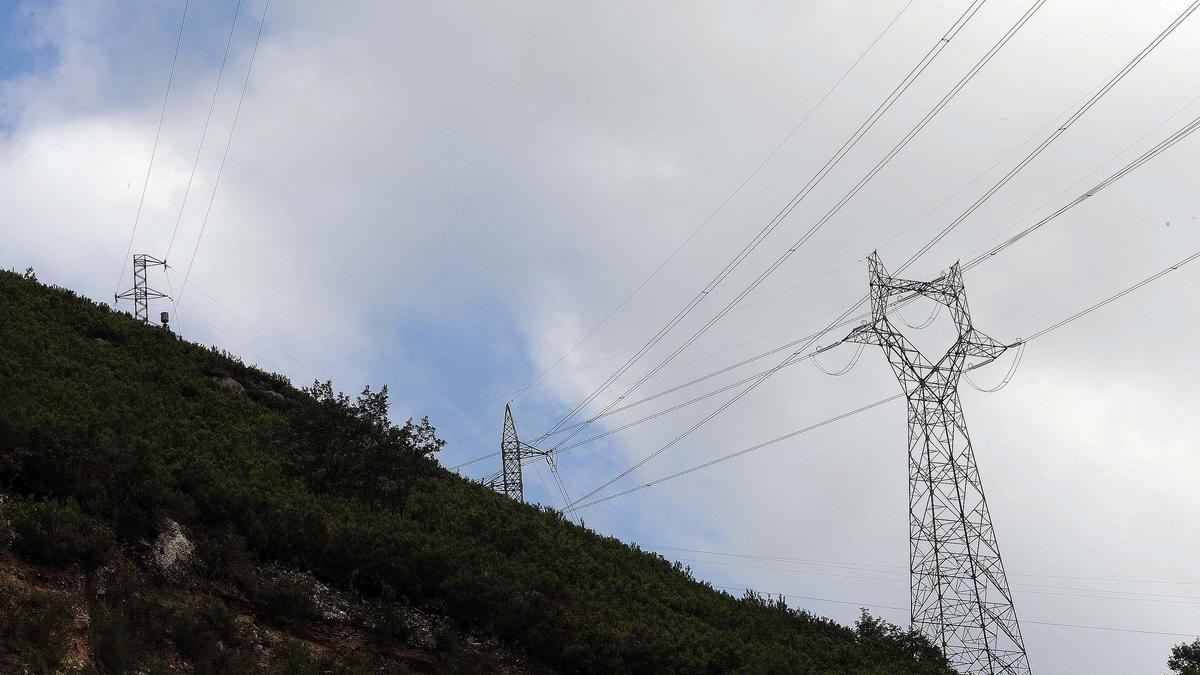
point(117, 437)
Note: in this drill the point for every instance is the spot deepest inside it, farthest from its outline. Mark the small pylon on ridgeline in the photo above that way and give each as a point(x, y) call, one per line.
point(513, 453)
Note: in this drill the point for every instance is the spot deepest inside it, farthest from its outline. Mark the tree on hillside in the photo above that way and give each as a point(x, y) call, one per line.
point(352, 447)
point(1185, 658)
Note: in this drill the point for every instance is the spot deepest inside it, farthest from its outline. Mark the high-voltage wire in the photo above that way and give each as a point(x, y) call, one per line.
point(228, 142)
point(867, 124)
point(987, 245)
point(1124, 71)
point(905, 609)
point(1185, 131)
point(604, 359)
point(897, 569)
point(1060, 591)
point(707, 221)
point(1092, 101)
point(204, 131)
point(746, 305)
point(896, 149)
point(1048, 329)
point(154, 149)
point(1177, 136)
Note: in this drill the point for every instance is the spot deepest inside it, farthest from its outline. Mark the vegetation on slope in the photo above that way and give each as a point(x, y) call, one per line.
point(108, 426)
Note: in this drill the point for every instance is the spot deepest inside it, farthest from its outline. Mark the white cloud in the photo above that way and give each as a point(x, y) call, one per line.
point(446, 198)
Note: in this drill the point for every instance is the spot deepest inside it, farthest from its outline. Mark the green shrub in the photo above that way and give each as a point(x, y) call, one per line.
point(126, 624)
point(59, 534)
point(285, 596)
point(207, 636)
point(389, 623)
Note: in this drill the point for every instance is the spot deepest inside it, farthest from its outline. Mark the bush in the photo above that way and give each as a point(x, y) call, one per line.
point(286, 596)
point(125, 624)
point(207, 636)
point(59, 534)
point(389, 624)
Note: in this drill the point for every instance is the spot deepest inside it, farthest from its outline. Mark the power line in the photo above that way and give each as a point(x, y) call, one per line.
point(1021, 588)
point(901, 232)
point(1092, 101)
point(1076, 184)
point(905, 609)
point(614, 355)
point(252, 327)
point(1086, 593)
point(1176, 137)
point(228, 143)
point(1136, 163)
point(722, 205)
point(204, 132)
point(154, 149)
point(1179, 135)
point(971, 209)
point(864, 180)
point(832, 162)
point(778, 439)
point(1185, 131)
point(865, 566)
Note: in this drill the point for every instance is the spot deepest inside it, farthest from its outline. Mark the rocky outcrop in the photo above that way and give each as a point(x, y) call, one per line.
point(231, 385)
point(172, 550)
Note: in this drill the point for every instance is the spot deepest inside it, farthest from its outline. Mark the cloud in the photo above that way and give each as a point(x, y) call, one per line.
point(446, 198)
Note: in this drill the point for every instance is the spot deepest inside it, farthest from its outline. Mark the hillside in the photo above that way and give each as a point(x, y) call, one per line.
point(167, 508)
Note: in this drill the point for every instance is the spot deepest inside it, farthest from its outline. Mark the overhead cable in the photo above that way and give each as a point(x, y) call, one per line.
point(832, 162)
point(154, 149)
point(778, 146)
point(987, 195)
point(1053, 327)
point(225, 156)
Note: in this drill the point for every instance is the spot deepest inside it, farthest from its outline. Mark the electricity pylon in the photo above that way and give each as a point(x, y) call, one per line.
point(513, 453)
point(141, 293)
point(960, 594)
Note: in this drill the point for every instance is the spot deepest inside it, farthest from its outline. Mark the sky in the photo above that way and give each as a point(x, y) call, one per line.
point(445, 198)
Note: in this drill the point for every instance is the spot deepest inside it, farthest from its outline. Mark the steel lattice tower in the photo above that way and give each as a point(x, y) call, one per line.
point(513, 452)
point(141, 293)
point(960, 594)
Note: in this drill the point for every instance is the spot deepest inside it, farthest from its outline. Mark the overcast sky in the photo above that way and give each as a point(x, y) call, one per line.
point(446, 197)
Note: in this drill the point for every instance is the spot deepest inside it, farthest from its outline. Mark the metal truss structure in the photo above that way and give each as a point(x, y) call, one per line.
point(513, 453)
point(960, 594)
point(141, 293)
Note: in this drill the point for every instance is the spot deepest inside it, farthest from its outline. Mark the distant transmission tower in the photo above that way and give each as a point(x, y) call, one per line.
point(960, 595)
point(513, 452)
point(141, 293)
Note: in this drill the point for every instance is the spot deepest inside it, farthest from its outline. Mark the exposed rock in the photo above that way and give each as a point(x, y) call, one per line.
point(172, 549)
point(271, 399)
point(331, 604)
point(82, 619)
point(231, 385)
